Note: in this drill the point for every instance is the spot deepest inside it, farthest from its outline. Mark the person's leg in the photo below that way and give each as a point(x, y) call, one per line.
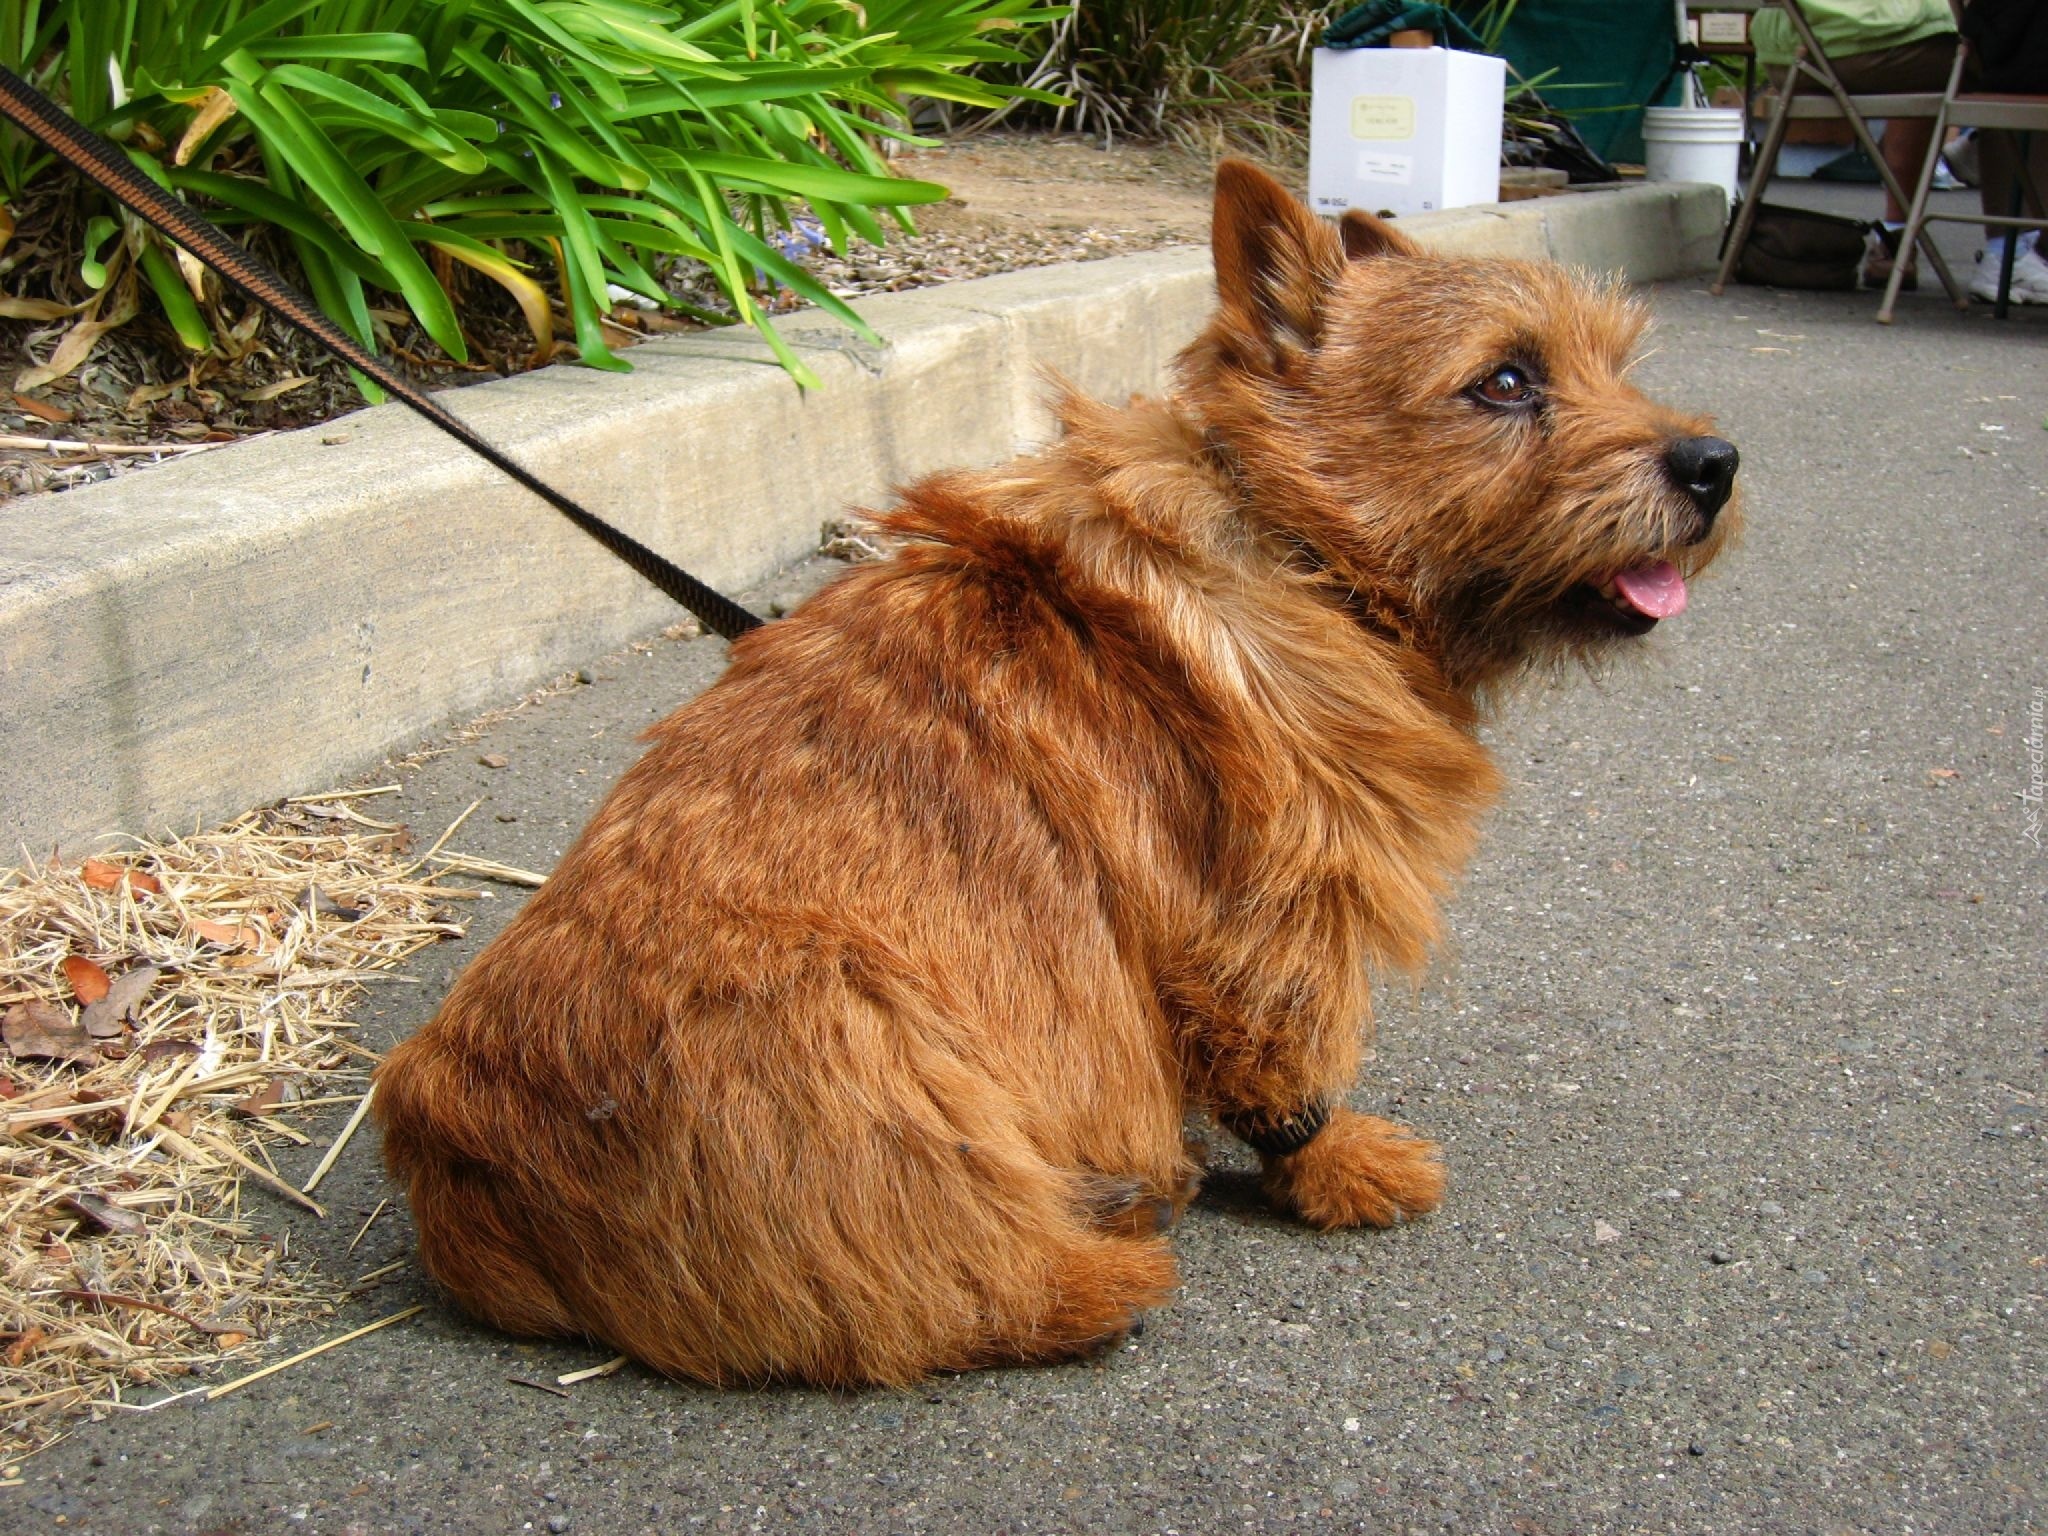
point(1904, 143)
point(2004, 194)
point(1921, 66)
point(2001, 188)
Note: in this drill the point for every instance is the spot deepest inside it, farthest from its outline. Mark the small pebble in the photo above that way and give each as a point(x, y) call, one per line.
point(558, 1524)
point(585, 676)
point(494, 760)
point(1721, 1256)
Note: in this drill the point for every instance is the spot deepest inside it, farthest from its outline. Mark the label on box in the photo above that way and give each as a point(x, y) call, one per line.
point(1385, 169)
point(1383, 117)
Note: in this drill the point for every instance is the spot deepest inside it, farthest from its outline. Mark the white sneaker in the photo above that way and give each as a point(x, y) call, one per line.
point(2029, 278)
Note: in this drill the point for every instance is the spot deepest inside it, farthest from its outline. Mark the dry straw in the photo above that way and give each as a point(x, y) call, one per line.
point(166, 1015)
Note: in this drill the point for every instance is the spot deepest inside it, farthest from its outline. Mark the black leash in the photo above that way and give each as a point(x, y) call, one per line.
point(85, 151)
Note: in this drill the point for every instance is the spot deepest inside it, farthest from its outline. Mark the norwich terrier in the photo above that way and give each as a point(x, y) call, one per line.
point(854, 1038)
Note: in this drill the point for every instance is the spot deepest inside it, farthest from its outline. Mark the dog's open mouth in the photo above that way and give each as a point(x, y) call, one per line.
point(1636, 598)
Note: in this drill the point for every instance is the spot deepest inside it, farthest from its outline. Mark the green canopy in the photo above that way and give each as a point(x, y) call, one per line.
point(1609, 57)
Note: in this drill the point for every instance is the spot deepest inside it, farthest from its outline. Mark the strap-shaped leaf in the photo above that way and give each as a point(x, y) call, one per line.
point(540, 120)
point(259, 202)
point(265, 21)
point(280, 120)
point(381, 47)
point(813, 180)
point(373, 112)
point(176, 299)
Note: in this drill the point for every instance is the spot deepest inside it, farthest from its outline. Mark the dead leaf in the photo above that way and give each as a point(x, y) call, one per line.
point(149, 394)
point(24, 1345)
point(42, 410)
point(163, 1050)
point(229, 935)
point(230, 1338)
point(318, 902)
point(6, 225)
point(35, 1031)
point(78, 342)
point(12, 308)
point(193, 270)
point(88, 982)
point(104, 1019)
point(272, 390)
point(1939, 775)
point(113, 1217)
point(266, 1100)
point(102, 876)
point(207, 115)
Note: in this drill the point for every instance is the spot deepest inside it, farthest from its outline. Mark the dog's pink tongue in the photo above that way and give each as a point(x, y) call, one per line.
point(1656, 591)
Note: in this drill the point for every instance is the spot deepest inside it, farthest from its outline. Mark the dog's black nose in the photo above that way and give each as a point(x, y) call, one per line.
point(1704, 468)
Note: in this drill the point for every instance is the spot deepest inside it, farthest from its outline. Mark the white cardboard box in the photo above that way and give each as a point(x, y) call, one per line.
point(1404, 129)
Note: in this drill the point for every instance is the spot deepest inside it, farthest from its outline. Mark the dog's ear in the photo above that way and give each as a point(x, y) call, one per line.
point(1365, 237)
point(1275, 261)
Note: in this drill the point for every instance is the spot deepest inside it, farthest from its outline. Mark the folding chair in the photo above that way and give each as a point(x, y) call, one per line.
point(1810, 68)
point(1974, 109)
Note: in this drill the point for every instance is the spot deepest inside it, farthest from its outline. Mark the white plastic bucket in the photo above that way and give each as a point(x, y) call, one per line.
point(1693, 144)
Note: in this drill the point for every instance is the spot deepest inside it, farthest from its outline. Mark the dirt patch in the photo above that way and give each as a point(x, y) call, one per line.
point(1019, 200)
point(1005, 186)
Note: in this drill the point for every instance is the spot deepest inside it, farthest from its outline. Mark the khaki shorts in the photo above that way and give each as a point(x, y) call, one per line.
point(1921, 66)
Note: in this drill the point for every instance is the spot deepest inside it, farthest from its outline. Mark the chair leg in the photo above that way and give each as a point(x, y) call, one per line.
point(1916, 227)
point(1759, 180)
point(1891, 184)
point(2005, 266)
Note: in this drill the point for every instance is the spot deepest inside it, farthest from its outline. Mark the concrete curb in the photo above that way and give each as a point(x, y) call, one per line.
point(179, 645)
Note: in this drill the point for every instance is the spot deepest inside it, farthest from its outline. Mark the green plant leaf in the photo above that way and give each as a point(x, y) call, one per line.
point(258, 202)
point(621, 133)
point(280, 119)
point(264, 21)
point(169, 286)
point(403, 124)
point(98, 231)
point(583, 271)
point(543, 123)
point(812, 180)
point(383, 47)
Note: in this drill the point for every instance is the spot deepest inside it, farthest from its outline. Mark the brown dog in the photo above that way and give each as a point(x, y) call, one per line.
point(853, 1039)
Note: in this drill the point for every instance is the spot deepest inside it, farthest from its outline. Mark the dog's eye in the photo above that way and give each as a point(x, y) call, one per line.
point(1509, 384)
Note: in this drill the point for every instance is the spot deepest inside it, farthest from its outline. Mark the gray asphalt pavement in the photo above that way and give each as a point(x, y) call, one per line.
point(1737, 1060)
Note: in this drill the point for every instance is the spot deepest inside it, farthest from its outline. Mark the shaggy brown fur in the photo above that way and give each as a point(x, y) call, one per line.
point(853, 1039)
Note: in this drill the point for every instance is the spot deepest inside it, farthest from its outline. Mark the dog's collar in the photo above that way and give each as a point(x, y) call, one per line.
point(1370, 610)
point(1277, 1138)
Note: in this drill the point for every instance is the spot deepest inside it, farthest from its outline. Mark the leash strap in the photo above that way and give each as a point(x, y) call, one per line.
point(85, 151)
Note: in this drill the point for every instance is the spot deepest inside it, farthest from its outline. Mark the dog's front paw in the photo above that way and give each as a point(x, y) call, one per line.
point(1360, 1171)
